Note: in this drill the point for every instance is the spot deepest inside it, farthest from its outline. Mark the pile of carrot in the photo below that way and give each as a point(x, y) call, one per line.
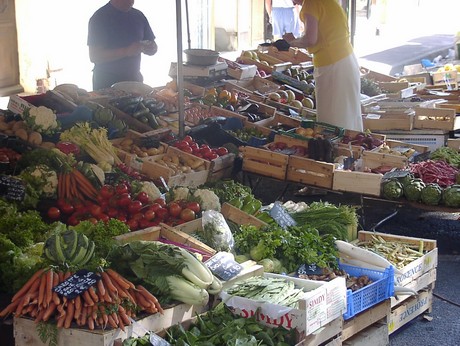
point(110, 302)
point(75, 185)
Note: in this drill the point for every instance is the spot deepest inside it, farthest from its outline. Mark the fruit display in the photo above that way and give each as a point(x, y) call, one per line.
point(190, 146)
point(283, 148)
point(145, 110)
point(365, 140)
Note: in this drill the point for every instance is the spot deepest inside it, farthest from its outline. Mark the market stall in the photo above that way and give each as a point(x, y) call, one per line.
point(116, 187)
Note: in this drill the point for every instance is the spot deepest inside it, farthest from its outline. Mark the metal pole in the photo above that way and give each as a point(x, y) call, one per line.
point(180, 75)
point(189, 41)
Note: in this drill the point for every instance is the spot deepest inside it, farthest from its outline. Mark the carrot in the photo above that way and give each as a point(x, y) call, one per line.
point(40, 315)
point(69, 314)
point(67, 185)
point(111, 322)
point(93, 294)
point(84, 181)
point(34, 312)
point(29, 296)
point(27, 285)
point(108, 298)
point(61, 309)
point(120, 280)
point(122, 293)
point(55, 296)
point(84, 315)
point(115, 317)
point(78, 307)
point(100, 288)
point(49, 311)
point(108, 283)
point(60, 321)
point(41, 292)
point(142, 302)
point(49, 287)
point(121, 325)
point(67, 275)
point(87, 298)
point(90, 323)
point(150, 297)
point(124, 317)
point(103, 314)
point(60, 277)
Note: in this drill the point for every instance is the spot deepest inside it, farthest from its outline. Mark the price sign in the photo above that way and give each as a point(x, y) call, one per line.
point(12, 188)
point(76, 284)
point(156, 340)
point(309, 269)
point(281, 216)
point(223, 266)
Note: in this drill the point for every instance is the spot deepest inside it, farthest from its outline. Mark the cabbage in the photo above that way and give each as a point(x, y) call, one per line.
point(268, 265)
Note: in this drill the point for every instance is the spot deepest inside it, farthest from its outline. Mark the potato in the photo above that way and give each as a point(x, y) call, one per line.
point(47, 145)
point(22, 134)
point(18, 125)
point(35, 138)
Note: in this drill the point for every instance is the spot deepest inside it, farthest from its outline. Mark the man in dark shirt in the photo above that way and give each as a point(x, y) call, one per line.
point(117, 35)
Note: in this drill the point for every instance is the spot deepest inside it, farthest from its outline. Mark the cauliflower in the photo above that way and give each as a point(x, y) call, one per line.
point(209, 200)
point(150, 189)
point(41, 119)
point(47, 180)
point(179, 193)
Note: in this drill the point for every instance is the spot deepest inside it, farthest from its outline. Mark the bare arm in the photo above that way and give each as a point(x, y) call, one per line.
point(309, 37)
point(268, 7)
point(149, 48)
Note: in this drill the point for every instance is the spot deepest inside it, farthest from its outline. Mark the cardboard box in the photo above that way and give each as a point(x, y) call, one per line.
point(454, 144)
point(323, 302)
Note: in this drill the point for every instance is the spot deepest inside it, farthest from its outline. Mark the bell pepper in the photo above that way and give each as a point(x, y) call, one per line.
point(68, 147)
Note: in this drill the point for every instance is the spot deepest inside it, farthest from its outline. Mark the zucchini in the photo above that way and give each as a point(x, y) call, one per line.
point(152, 120)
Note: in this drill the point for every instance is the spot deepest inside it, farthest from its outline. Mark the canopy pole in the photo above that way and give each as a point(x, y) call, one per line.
point(179, 78)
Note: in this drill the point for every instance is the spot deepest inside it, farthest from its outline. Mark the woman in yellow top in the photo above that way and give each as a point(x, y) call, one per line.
point(336, 69)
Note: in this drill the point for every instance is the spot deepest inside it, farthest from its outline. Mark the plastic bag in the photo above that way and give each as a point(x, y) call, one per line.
point(216, 232)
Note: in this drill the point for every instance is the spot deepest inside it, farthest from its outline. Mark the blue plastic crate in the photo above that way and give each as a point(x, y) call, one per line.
point(381, 289)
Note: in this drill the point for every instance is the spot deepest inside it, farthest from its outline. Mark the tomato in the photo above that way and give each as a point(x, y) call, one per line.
point(124, 200)
point(174, 209)
point(144, 223)
point(160, 201)
point(121, 188)
point(155, 206)
point(194, 147)
point(132, 224)
point(149, 215)
point(67, 208)
point(112, 212)
point(143, 197)
point(73, 220)
point(60, 202)
point(54, 213)
point(204, 146)
point(187, 214)
point(137, 216)
point(107, 191)
point(187, 150)
point(103, 217)
point(195, 206)
point(122, 218)
point(95, 211)
point(135, 207)
point(221, 151)
point(93, 220)
point(211, 156)
point(188, 139)
point(162, 213)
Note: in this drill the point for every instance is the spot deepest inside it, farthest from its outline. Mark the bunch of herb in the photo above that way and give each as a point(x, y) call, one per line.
point(228, 189)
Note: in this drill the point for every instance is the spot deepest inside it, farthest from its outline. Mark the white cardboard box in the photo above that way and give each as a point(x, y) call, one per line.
point(323, 302)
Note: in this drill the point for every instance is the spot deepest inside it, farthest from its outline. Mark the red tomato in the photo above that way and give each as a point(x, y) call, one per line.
point(54, 213)
point(143, 197)
point(124, 200)
point(137, 216)
point(135, 207)
point(194, 147)
point(107, 191)
point(188, 139)
point(121, 188)
point(187, 214)
point(122, 218)
point(221, 151)
point(149, 215)
point(155, 206)
point(160, 201)
point(174, 209)
point(144, 223)
point(205, 151)
point(204, 146)
point(112, 212)
point(96, 210)
point(211, 156)
point(60, 202)
point(195, 206)
point(73, 220)
point(132, 224)
point(67, 208)
point(187, 150)
point(162, 214)
point(103, 217)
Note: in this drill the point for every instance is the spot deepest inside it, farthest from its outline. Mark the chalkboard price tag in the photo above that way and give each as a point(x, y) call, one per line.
point(223, 266)
point(13, 189)
point(309, 269)
point(281, 216)
point(77, 284)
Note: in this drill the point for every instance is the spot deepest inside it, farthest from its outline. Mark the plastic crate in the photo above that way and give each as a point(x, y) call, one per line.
point(327, 131)
point(382, 288)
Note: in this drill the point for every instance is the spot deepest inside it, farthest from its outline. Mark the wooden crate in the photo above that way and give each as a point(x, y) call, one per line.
point(365, 319)
point(256, 85)
point(293, 55)
point(240, 217)
point(25, 331)
point(375, 335)
point(373, 159)
point(423, 282)
point(408, 310)
point(436, 118)
point(279, 119)
point(154, 170)
point(170, 233)
point(415, 269)
point(222, 167)
point(389, 120)
point(265, 162)
point(310, 172)
point(454, 144)
point(332, 330)
point(369, 183)
point(455, 106)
